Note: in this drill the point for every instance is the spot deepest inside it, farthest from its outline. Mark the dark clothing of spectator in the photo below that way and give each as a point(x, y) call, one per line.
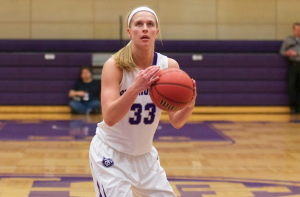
point(90, 102)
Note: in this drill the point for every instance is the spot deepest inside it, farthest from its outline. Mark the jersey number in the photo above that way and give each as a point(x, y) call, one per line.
point(137, 108)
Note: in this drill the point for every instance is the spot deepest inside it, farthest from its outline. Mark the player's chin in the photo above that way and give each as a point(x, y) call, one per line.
point(145, 43)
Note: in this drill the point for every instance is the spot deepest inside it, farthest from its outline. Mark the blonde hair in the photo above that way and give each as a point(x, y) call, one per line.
point(123, 57)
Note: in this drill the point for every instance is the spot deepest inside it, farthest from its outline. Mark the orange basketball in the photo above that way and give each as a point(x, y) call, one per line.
point(173, 90)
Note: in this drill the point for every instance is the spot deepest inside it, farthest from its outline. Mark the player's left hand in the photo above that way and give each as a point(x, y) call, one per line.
point(193, 101)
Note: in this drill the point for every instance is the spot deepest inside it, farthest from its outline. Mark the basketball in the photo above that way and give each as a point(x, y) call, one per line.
point(173, 90)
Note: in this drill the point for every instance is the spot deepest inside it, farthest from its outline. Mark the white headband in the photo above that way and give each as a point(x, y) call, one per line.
point(139, 9)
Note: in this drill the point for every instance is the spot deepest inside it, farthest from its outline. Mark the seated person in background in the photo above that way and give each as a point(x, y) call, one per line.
point(85, 94)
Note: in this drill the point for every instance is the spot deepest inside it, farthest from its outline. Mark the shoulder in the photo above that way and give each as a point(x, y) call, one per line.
point(172, 63)
point(110, 62)
point(78, 82)
point(110, 69)
point(289, 38)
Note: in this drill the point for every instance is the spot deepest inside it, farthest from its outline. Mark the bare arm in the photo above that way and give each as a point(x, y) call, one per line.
point(179, 118)
point(114, 106)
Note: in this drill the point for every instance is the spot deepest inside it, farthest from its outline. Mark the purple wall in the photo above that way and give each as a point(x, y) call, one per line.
point(30, 79)
point(238, 73)
point(237, 79)
point(190, 46)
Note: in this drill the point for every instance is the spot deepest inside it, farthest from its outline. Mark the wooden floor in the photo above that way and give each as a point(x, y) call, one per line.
point(256, 153)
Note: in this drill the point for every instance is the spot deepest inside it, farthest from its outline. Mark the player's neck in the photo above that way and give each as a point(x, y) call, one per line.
point(143, 58)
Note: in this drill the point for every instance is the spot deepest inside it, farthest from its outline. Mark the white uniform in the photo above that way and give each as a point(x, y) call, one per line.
point(123, 159)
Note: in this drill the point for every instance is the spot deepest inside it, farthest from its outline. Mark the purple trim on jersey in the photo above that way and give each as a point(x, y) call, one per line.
point(100, 195)
point(155, 58)
point(99, 189)
point(104, 191)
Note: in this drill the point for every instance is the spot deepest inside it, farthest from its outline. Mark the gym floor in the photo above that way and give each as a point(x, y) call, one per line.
point(221, 152)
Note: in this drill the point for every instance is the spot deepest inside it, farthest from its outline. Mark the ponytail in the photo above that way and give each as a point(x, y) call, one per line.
point(124, 59)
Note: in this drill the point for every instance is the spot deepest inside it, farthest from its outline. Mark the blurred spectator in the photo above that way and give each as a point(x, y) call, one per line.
point(85, 94)
point(291, 49)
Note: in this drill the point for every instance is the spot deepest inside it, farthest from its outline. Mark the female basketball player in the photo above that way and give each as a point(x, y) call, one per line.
point(123, 161)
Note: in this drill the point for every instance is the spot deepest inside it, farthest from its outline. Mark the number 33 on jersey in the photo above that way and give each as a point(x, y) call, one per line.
point(138, 108)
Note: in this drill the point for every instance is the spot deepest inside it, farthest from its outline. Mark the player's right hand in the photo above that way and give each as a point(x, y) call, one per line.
point(145, 78)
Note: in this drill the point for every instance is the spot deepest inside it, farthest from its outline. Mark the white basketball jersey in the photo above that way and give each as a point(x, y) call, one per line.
point(133, 134)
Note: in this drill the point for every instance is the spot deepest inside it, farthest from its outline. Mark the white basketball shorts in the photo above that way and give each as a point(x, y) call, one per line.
point(117, 174)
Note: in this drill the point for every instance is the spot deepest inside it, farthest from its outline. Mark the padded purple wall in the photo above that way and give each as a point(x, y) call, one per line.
point(237, 79)
point(30, 79)
point(187, 46)
point(235, 73)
